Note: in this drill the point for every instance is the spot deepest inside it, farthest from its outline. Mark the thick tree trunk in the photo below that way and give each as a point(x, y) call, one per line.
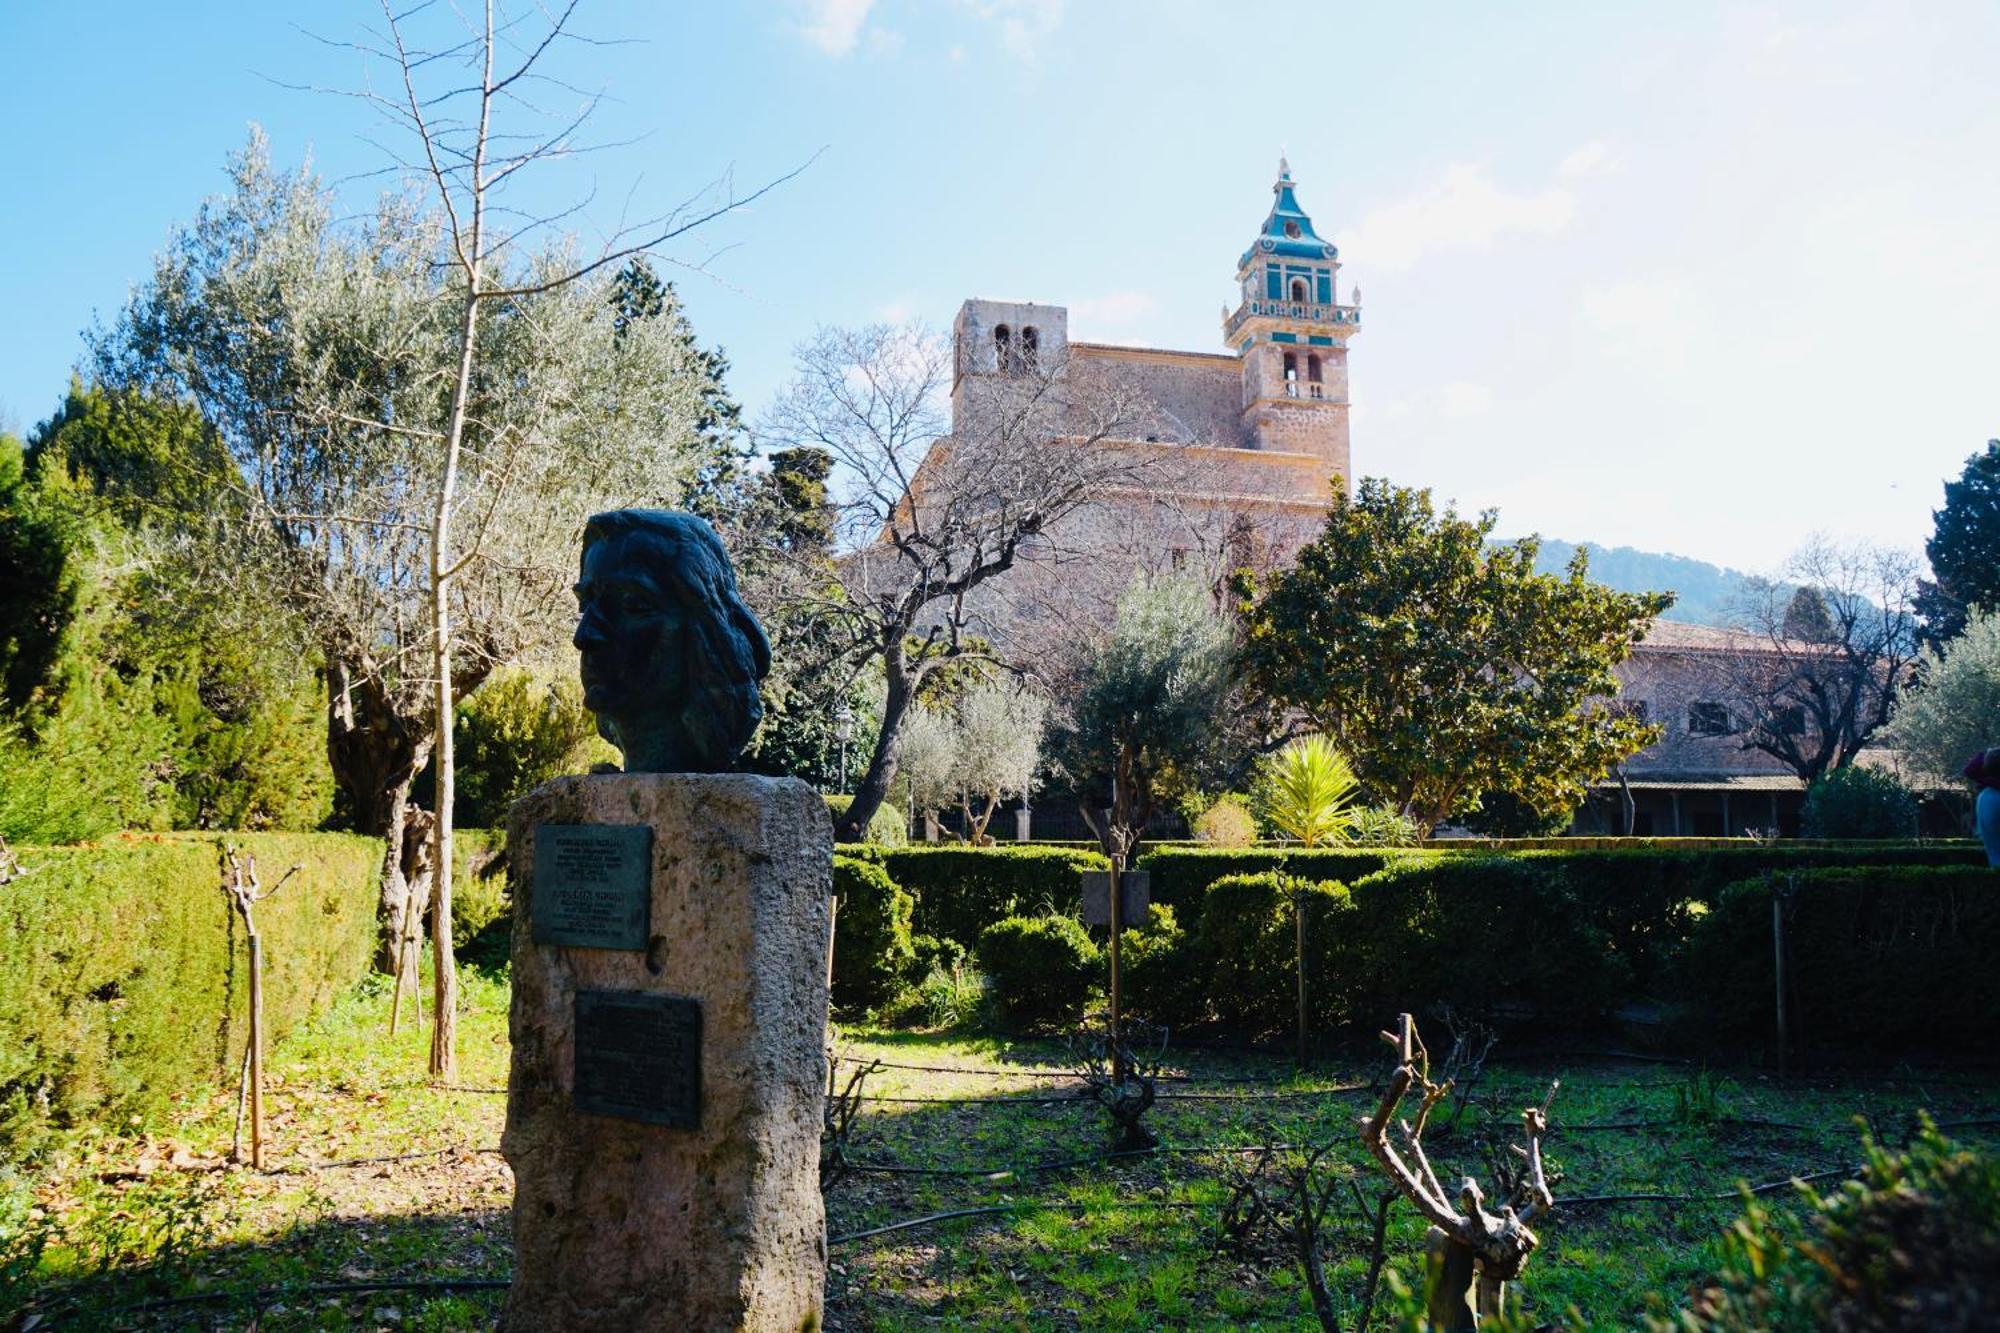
point(852, 826)
point(375, 754)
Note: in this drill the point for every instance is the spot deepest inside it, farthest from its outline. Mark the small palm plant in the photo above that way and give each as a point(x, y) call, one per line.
point(1307, 790)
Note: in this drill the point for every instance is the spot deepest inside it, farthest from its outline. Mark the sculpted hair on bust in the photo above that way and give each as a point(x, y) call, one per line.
point(725, 653)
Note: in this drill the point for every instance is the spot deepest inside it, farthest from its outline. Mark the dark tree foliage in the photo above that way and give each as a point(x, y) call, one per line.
point(148, 703)
point(1445, 668)
point(782, 530)
point(1964, 549)
point(638, 293)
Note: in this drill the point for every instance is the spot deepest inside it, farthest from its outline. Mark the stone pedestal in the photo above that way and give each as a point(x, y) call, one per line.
point(626, 1225)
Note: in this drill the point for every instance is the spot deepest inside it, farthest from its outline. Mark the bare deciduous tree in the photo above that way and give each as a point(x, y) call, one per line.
point(1838, 642)
point(932, 518)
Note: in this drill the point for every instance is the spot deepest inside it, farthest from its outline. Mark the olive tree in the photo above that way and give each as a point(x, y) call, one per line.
point(322, 353)
point(1953, 710)
point(1150, 700)
point(975, 752)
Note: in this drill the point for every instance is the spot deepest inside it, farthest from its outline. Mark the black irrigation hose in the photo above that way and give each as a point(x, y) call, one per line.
point(259, 1294)
point(1026, 1071)
point(1023, 1206)
point(1080, 1098)
point(1709, 1198)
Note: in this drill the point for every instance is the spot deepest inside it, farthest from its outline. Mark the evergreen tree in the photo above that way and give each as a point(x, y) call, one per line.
point(1964, 549)
point(1444, 667)
point(638, 293)
point(149, 704)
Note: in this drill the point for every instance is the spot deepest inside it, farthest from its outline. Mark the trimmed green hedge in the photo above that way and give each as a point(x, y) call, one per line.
point(960, 891)
point(1042, 969)
point(122, 972)
point(1246, 950)
point(1656, 867)
point(1182, 875)
point(872, 951)
point(1886, 957)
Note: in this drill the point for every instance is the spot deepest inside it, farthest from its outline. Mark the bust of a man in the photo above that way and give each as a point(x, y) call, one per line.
point(671, 655)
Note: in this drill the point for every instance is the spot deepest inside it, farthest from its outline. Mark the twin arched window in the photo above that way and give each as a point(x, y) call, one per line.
point(1014, 356)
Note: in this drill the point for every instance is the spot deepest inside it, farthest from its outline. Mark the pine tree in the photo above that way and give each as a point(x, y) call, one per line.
point(1964, 549)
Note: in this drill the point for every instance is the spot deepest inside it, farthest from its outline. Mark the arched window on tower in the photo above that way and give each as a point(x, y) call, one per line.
point(1031, 346)
point(1003, 348)
point(1291, 374)
point(1299, 290)
point(1314, 387)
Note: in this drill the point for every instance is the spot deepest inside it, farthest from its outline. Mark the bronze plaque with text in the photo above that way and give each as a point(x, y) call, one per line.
point(593, 885)
point(638, 1057)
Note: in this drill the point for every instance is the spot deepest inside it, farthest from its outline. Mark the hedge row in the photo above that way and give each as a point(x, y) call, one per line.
point(957, 892)
point(1887, 958)
point(1660, 872)
point(1883, 955)
point(122, 973)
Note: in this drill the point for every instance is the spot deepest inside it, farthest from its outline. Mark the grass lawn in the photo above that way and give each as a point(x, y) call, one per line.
point(377, 1177)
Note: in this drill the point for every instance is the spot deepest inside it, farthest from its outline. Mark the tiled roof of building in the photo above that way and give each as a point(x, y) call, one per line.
point(1672, 634)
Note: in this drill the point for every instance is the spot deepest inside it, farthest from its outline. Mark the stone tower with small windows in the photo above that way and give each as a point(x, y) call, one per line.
point(1291, 330)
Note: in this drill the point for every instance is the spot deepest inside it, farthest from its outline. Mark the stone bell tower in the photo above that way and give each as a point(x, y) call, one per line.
point(1291, 331)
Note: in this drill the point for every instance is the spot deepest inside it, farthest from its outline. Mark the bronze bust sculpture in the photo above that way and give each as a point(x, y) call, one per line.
point(671, 655)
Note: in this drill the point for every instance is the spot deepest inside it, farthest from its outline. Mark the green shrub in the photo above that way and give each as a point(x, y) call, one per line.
point(1160, 977)
point(929, 954)
point(122, 980)
point(960, 891)
point(1246, 951)
point(514, 733)
point(1181, 875)
point(1914, 1243)
point(1226, 823)
point(1484, 935)
point(1041, 969)
point(1857, 802)
point(1382, 826)
point(872, 950)
point(887, 827)
point(479, 894)
point(1887, 957)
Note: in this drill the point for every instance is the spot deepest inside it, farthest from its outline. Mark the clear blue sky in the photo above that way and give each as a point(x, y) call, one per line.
point(1701, 278)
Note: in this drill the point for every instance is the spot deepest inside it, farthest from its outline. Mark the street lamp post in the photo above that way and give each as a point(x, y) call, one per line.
point(843, 731)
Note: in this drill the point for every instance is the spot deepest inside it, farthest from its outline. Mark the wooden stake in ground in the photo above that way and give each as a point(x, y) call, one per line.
point(245, 892)
point(1474, 1253)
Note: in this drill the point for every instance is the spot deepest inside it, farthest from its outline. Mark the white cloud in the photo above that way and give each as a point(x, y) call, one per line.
point(1592, 159)
point(1464, 399)
point(1114, 310)
point(1465, 210)
point(834, 26)
point(1022, 23)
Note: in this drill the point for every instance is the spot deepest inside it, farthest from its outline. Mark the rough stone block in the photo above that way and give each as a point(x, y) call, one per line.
point(620, 1224)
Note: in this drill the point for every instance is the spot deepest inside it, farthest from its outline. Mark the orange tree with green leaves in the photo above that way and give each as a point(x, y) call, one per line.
point(1441, 663)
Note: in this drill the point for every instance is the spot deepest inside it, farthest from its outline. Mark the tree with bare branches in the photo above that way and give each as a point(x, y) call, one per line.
point(933, 518)
point(1837, 640)
point(323, 355)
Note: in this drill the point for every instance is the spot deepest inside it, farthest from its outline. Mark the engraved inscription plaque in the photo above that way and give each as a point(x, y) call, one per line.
point(638, 1057)
point(593, 885)
point(1135, 905)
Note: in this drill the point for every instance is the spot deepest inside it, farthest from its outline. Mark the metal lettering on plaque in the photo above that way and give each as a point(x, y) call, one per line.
point(593, 885)
point(1135, 904)
point(638, 1057)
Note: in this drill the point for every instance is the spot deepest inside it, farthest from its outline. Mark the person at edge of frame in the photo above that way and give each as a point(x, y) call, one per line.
point(1984, 770)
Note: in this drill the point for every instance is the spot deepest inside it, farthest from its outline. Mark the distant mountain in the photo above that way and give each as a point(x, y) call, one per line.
point(1705, 594)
